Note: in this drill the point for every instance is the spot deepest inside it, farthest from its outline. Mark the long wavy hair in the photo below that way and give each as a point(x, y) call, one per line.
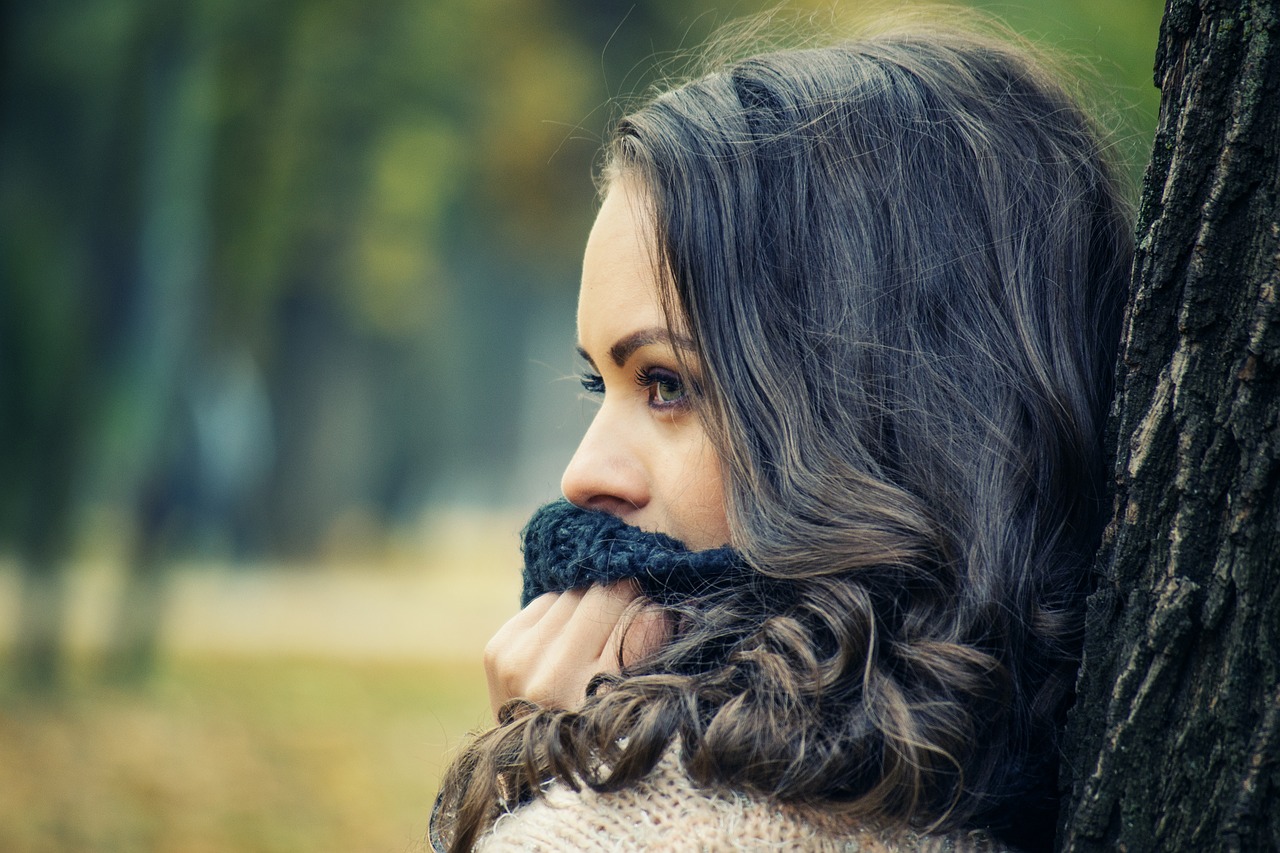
point(903, 262)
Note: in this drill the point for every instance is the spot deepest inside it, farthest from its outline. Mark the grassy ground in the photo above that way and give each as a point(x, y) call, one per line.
point(267, 755)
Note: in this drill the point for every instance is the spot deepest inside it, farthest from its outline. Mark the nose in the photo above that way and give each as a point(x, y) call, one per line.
point(605, 472)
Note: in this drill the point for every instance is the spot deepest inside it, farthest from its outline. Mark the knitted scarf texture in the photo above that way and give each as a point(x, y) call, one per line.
point(566, 547)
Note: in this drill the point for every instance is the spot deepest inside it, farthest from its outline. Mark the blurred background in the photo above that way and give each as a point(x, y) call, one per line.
point(286, 334)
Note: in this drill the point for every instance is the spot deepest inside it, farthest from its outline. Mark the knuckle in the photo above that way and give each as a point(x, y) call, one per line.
point(492, 652)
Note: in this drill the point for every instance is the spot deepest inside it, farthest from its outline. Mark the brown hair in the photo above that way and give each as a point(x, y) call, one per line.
point(903, 262)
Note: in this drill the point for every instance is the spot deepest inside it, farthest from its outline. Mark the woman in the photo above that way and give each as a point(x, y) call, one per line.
point(853, 313)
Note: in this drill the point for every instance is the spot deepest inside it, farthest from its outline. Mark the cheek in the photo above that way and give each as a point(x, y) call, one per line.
point(698, 499)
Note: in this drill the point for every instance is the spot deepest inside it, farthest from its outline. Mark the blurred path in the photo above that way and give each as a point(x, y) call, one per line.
point(442, 608)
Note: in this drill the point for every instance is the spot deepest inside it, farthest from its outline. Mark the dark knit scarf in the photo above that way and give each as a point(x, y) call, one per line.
point(566, 547)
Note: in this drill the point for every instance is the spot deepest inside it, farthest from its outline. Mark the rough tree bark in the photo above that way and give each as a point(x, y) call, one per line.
point(1175, 740)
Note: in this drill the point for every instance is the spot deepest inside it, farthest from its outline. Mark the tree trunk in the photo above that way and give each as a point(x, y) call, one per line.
point(1175, 740)
point(165, 330)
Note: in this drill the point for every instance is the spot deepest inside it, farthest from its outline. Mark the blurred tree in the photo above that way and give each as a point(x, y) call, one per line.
point(159, 339)
point(66, 213)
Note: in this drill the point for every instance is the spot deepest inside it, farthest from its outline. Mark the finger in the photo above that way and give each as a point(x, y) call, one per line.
point(525, 638)
point(595, 620)
point(510, 635)
point(532, 612)
point(550, 651)
point(534, 629)
point(508, 653)
point(563, 606)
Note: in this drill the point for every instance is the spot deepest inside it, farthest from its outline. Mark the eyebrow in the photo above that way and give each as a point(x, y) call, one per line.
point(626, 346)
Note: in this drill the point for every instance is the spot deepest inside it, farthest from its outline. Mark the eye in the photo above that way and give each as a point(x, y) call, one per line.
point(666, 389)
point(592, 383)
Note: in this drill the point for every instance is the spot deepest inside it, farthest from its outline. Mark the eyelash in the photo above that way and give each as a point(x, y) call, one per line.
point(646, 377)
point(652, 377)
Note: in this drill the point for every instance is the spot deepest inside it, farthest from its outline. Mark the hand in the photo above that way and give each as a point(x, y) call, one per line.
point(550, 650)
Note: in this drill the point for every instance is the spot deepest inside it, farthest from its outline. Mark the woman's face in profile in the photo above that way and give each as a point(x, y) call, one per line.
point(645, 457)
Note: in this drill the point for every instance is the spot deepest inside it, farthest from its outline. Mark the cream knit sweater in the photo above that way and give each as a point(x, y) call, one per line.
point(667, 812)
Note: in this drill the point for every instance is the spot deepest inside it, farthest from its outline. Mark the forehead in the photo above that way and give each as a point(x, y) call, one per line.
point(619, 281)
point(622, 236)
